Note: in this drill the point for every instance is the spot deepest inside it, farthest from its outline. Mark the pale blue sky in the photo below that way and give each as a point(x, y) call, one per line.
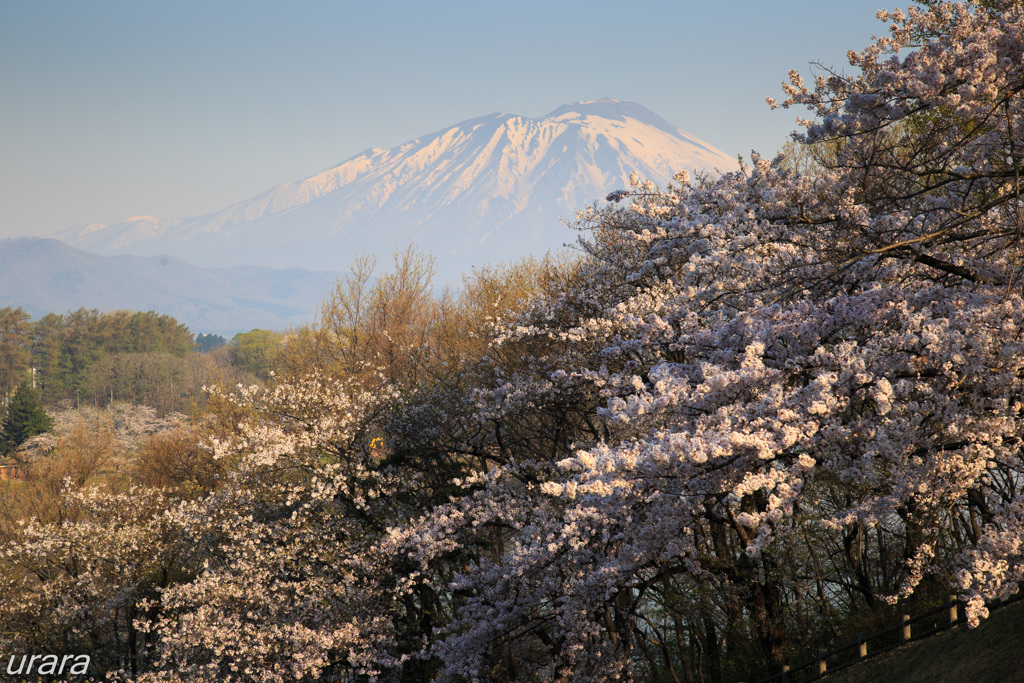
point(110, 109)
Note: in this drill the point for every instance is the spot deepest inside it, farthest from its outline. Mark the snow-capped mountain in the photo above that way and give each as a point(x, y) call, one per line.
point(485, 190)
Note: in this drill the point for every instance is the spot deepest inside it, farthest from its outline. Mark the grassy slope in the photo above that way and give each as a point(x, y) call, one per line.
point(993, 652)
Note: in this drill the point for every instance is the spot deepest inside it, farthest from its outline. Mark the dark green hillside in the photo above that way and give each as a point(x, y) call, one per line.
point(991, 652)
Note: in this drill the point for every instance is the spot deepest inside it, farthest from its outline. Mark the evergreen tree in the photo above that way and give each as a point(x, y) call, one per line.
point(25, 418)
point(208, 342)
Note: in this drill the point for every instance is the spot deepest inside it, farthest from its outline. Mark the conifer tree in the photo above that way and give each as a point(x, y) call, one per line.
point(24, 419)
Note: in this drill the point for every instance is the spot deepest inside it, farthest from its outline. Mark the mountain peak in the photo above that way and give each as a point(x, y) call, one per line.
point(613, 109)
point(490, 188)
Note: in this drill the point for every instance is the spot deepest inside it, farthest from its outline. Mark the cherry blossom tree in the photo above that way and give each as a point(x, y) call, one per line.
point(89, 582)
point(291, 586)
point(779, 352)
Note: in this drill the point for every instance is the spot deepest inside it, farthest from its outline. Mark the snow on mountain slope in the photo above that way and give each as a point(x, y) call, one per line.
point(485, 190)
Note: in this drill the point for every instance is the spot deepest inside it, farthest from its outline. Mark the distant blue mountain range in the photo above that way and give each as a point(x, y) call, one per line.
point(47, 276)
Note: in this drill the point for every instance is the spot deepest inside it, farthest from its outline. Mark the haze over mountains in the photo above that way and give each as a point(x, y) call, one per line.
point(45, 276)
point(485, 190)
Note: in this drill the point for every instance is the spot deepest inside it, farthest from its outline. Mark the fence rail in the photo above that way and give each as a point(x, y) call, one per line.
point(819, 666)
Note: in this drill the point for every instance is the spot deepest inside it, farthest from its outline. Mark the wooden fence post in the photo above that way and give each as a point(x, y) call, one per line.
point(785, 673)
point(906, 627)
point(822, 665)
point(952, 610)
point(863, 649)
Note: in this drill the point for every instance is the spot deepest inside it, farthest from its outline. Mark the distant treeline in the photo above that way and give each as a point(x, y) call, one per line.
point(91, 356)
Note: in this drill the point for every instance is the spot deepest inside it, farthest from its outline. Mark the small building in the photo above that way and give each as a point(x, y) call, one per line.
point(10, 472)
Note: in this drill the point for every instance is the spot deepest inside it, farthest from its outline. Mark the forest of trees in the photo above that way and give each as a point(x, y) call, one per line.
point(88, 356)
point(85, 353)
point(754, 415)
